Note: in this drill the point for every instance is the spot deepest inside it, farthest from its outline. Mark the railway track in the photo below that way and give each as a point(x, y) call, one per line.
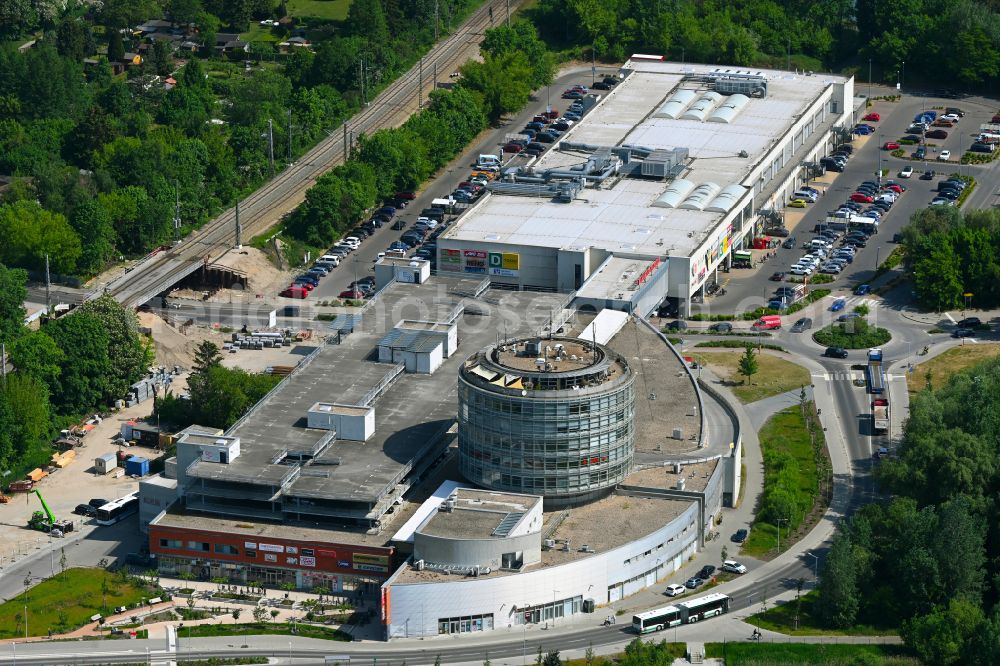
point(287, 189)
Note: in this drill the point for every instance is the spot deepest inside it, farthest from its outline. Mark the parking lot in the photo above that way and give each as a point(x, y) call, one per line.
point(359, 263)
point(747, 289)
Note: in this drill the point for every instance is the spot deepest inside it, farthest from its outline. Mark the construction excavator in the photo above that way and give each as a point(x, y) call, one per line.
point(45, 521)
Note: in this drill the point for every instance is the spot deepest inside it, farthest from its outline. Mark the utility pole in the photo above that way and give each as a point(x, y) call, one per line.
point(3, 362)
point(508, 13)
point(420, 85)
point(239, 227)
point(48, 285)
point(345, 141)
point(289, 136)
point(177, 213)
point(869, 78)
point(435, 21)
point(435, 76)
point(364, 100)
point(270, 143)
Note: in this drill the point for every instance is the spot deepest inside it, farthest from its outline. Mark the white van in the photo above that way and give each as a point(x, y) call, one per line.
point(331, 259)
point(488, 160)
point(816, 244)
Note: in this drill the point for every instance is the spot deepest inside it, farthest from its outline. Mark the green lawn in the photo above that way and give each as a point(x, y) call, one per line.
point(325, 10)
point(852, 334)
point(781, 618)
point(67, 601)
point(944, 365)
point(267, 628)
point(775, 375)
point(785, 434)
point(802, 654)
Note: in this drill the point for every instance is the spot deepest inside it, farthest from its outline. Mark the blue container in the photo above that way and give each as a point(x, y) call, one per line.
point(136, 466)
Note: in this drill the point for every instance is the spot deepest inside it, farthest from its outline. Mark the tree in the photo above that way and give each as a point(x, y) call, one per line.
point(161, 58)
point(116, 48)
point(943, 636)
point(552, 659)
point(30, 233)
point(259, 614)
point(127, 354)
point(74, 39)
point(236, 614)
point(82, 382)
point(838, 591)
point(25, 420)
point(206, 356)
point(274, 615)
point(91, 221)
point(62, 559)
point(748, 364)
point(185, 12)
point(37, 355)
point(13, 294)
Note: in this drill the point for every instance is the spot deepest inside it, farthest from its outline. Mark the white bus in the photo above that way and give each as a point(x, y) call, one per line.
point(705, 607)
point(117, 510)
point(655, 620)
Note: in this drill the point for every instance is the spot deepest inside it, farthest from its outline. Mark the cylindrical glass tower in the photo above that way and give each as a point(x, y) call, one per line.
point(550, 417)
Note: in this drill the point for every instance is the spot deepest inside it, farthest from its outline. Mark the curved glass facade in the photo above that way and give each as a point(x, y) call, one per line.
point(551, 443)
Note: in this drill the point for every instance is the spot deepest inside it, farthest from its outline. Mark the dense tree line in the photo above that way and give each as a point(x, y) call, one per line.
point(514, 63)
point(928, 561)
point(950, 253)
point(68, 367)
point(945, 41)
point(98, 159)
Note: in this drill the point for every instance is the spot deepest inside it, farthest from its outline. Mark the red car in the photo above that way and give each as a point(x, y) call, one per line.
point(405, 196)
point(891, 145)
point(294, 292)
point(861, 198)
point(777, 277)
point(995, 119)
point(552, 115)
point(874, 117)
point(937, 134)
point(352, 294)
point(895, 188)
point(513, 148)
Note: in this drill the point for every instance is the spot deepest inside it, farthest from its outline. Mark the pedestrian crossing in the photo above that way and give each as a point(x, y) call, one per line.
point(848, 376)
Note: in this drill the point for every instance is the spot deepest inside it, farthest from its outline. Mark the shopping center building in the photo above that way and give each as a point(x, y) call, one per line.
point(650, 193)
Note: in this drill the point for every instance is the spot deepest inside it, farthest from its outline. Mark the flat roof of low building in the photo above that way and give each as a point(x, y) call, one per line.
point(662, 477)
point(411, 412)
point(618, 278)
point(343, 410)
point(621, 214)
point(477, 514)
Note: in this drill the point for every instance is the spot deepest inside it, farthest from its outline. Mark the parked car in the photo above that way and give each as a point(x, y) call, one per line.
point(798, 203)
point(970, 322)
point(85, 510)
point(963, 333)
point(777, 277)
point(890, 145)
point(353, 294)
point(835, 352)
point(861, 197)
point(862, 289)
point(721, 327)
point(906, 171)
point(872, 117)
point(706, 572)
point(512, 147)
point(740, 535)
point(693, 583)
point(733, 566)
point(937, 134)
point(675, 590)
point(944, 155)
point(928, 175)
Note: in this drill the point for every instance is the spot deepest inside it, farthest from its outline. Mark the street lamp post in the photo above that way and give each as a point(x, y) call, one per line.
point(779, 521)
point(869, 78)
point(815, 565)
point(878, 251)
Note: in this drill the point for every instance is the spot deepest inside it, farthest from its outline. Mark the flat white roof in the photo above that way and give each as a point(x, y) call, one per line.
point(622, 218)
point(617, 278)
point(605, 326)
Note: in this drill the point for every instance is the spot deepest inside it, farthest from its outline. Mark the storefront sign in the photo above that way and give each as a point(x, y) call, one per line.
point(292, 550)
point(249, 545)
point(269, 557)
point(406, 276)
point(292, 560)
point(271, 548)
point(451, 256)
point(503, 272)
point(649, 270)
point(371, 567)
point(386, 606)
point(474, 254)
point(475, 269)
point(344, 563)
point(307, 561)
point(365, 558)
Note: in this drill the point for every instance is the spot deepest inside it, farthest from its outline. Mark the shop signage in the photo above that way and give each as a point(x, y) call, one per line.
point(365, 558)
point(271, 548)
point(292, 560)
point(249, 545)
point(371, 567)
point(269, 557)
point(307, 561)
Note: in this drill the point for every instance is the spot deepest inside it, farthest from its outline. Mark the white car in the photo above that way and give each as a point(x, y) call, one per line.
point(951, 116)
point(674, 590)
point(734, 567)
point(906, 172)
point(945, 155)
point(801, 270)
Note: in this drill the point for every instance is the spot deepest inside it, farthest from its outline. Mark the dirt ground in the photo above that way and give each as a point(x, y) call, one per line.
point(263, 277)
point(77, 483)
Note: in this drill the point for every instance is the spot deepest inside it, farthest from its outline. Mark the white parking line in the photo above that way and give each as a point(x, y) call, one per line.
point(950, 318)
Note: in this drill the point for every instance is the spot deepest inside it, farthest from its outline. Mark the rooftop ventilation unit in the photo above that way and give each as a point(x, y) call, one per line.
point(751, 85)
point(662, 163)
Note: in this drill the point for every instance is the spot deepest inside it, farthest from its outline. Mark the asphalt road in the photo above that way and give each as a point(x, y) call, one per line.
point(287, 189)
